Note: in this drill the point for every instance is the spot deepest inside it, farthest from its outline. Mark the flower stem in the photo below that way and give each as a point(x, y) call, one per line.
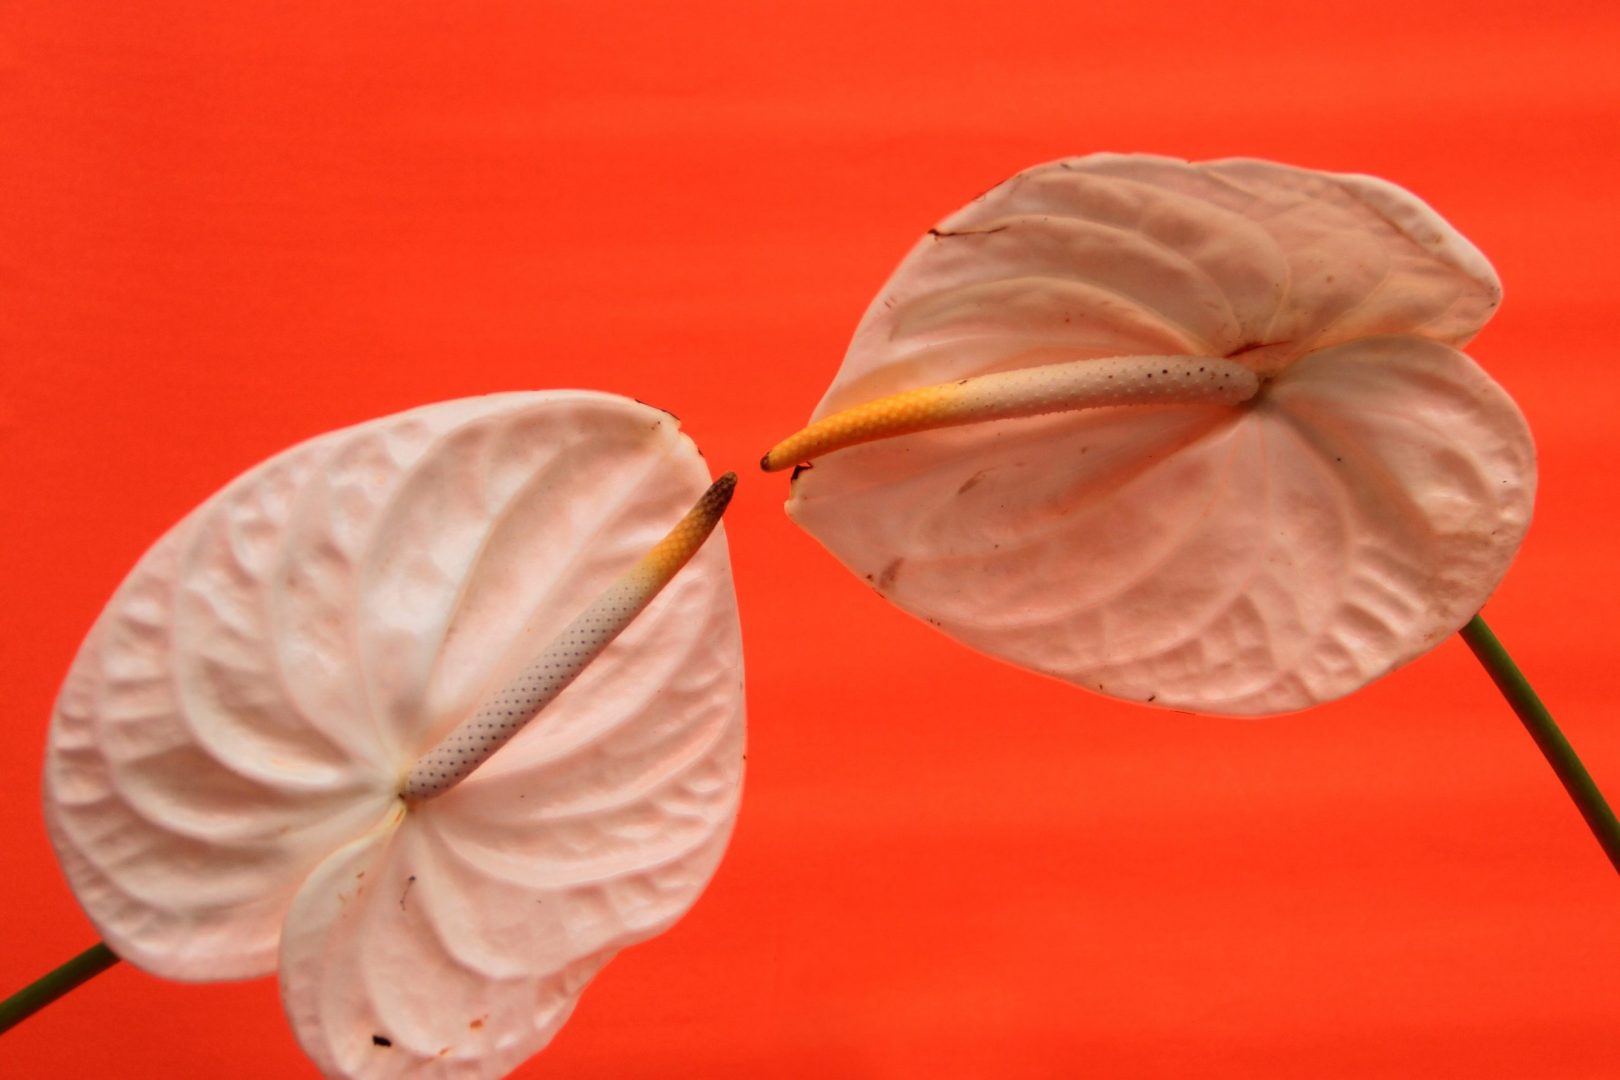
point(52, 985)
point(1554, 747)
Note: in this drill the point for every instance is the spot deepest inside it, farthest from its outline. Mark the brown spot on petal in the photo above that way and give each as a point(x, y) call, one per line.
point(940, 234)
point(887, 575)
point(650, 405)
point(971, 482)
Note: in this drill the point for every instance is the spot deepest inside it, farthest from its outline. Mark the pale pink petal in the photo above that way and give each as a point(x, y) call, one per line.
point(188, 789)
point(1249, 560)
point(492, 545)
point(458, 943)
point(252, 694)
point(1115, 255)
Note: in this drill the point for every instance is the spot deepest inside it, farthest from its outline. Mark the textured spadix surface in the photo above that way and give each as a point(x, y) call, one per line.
point(224, 763)
point(1233, 559)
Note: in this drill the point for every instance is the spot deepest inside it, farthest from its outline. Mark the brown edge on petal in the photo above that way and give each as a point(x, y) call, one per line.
point(650, 405)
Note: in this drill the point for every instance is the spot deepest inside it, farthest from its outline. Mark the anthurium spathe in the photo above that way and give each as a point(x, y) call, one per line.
point(294, 739)
point(1198, 435)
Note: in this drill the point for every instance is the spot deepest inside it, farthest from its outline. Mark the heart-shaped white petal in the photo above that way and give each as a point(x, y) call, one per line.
point(253, 694)
point(1240, 559)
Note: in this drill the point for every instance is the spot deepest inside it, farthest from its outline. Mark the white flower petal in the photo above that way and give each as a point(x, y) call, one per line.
point(192, 777)
point(1114, 255)
point(459, 943)
point(376, 984)
point(497, 542)
point(253, 692)
point(1250, 560)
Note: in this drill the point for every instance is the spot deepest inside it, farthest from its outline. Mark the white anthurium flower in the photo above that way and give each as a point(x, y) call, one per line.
point(270, 753)
point(1191, 434)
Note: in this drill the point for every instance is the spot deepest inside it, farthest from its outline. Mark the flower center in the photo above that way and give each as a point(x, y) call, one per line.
point(503, 714)
point(1079, 384)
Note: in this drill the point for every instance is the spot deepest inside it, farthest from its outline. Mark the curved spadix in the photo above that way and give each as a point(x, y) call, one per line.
point(504, 713)
point(1036, 391)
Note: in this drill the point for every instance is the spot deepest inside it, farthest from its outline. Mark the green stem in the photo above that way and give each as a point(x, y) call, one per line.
point(1554, 747)
point(47, 988)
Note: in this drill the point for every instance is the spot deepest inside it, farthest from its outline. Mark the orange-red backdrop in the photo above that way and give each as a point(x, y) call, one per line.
point(227, 226)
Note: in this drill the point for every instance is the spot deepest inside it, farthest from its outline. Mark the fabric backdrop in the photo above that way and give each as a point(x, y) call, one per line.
point(225, 227)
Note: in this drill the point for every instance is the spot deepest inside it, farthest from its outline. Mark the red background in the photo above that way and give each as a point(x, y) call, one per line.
point(226, 227)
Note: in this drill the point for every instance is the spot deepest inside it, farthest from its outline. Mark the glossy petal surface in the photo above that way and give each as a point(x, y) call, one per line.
point(1116, 255)
point(1243, 560)
point(252, 694)
point(597, 827)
